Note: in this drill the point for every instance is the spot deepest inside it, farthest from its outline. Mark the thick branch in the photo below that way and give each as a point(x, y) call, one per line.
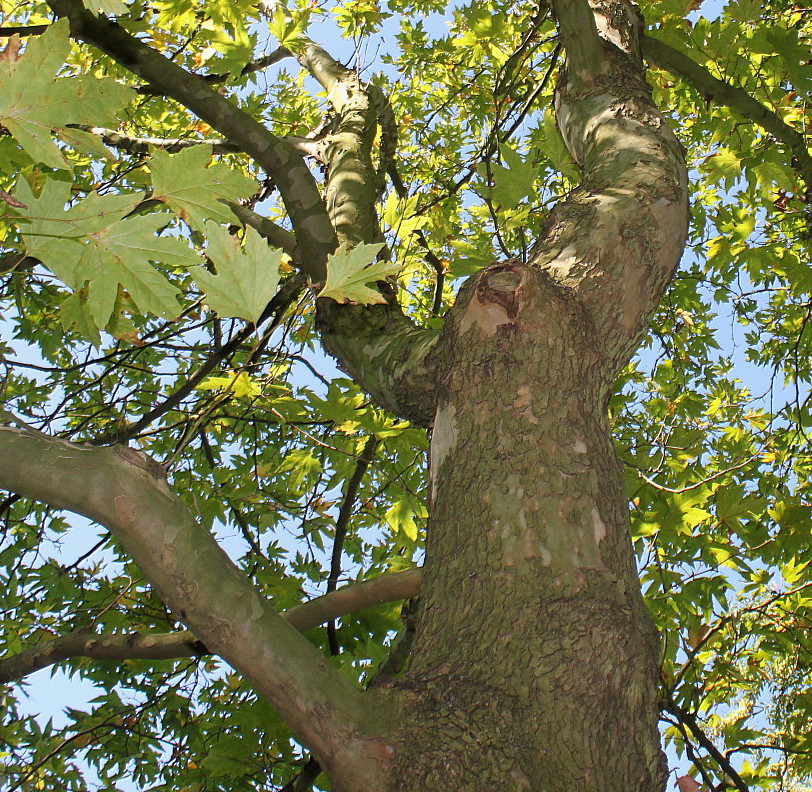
point(296, 184)
point(720, 92)
point(126, 492)
point(579, 36)
point(615, 241)
point(168, 646)
point(276, 235)
point(382, 349)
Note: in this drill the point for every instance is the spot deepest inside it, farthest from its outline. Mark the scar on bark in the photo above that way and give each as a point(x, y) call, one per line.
point(142, 460)
point(501, 283)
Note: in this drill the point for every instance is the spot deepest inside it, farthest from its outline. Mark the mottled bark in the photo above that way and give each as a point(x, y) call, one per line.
point(535, 661)
point(389, 356)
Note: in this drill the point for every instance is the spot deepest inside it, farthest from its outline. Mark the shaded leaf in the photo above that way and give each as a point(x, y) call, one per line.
point(194, 191)
point(95, 243)
point(247, 277)
point(34, 103)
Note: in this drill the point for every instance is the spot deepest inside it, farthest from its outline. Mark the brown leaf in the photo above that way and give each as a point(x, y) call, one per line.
point(696, 635)
point(688, 784)
point(11, 200)
point(11, 53)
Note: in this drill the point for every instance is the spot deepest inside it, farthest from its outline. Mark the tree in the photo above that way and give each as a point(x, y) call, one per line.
point(482, 253)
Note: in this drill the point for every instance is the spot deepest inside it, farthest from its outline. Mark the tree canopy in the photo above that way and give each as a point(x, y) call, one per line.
point(176, 195)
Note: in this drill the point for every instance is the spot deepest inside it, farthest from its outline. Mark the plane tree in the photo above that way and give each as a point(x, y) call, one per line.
point(359, 429)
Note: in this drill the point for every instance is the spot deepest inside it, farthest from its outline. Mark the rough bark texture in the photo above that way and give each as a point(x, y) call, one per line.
point(535, 661)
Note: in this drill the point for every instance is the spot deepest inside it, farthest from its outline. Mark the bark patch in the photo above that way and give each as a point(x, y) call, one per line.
point(443, 439)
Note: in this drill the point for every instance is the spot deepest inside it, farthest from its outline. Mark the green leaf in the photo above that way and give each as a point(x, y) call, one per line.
point(106, 7)
point(247, 277)
point(95, 243)
point(192, 190)
point(725, 166)
point(287, 26)
point(241, 385)
point(34, 103)
point(350, 269)
point(85, 142)
point(515, 182)
point(553, 147)
point(303, 466)
point(401, 517)
point(227, 759)
point(399, 214)
point(75, 313)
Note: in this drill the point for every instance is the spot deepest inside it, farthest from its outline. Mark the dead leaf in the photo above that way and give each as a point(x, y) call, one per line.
point(11, 200)
point(11, 52)
point(688, 784)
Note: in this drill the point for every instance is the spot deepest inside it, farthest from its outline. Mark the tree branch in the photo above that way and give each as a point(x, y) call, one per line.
point(23, 30)
point(141, 145)
point(125, 491)
point(686, 718)
point(343, 520)
point(314, 232)
point(721, 92)
point(169, 646)
point(381, 348)
point(276, 235)
point(279, 303)
point(390, 357)
point(615, 241)
point(579, 35)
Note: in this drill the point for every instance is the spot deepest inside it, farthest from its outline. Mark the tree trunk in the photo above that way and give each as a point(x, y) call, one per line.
point(535, 661)
point(535, 664)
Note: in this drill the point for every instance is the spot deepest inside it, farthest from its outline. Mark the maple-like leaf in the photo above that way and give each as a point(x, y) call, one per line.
point(241, 385)
point(34, 103)
point(192, 190)
point(75, 313)
point(349, 270)
point(515, 182)
point(96, 243)
point(246, 278)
